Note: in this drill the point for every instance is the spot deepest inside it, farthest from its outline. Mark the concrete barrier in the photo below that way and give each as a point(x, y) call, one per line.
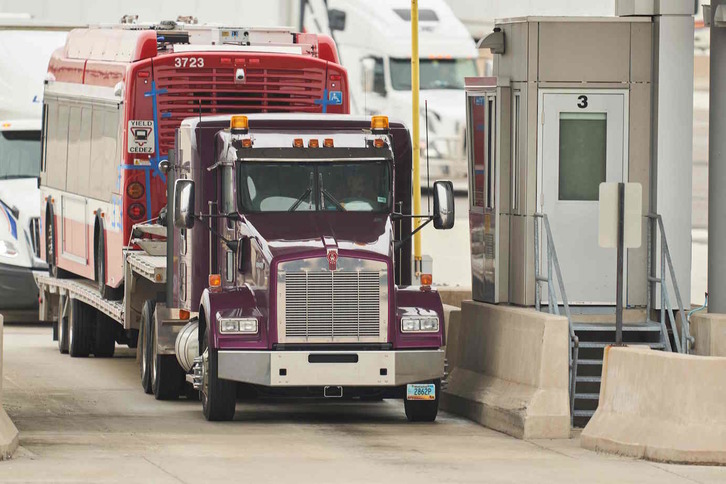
point(454, 296)
point(8, 432)
point(509, 370)
point(660, 406)
point(709, 331)
point(452, 316)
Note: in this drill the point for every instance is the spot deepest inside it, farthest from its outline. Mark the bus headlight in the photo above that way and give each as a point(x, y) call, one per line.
point(237, 326)
point(419, 324)
point(8, 249)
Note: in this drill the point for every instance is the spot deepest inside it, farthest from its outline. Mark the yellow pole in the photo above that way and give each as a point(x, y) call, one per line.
point(416, 137)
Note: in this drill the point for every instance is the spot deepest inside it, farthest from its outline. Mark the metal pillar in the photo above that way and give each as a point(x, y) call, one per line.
point(717, 167)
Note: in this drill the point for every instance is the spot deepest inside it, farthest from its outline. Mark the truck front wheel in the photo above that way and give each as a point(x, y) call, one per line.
point(219, 397)
point(423, 410)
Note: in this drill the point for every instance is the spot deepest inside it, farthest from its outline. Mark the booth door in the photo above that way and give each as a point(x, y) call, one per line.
point(583, 142)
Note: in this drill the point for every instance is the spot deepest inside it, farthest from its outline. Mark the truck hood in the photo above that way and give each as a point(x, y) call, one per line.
point(310, 234)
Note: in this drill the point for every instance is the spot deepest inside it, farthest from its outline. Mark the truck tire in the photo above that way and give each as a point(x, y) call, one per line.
point(107, 292)
point(167, 376)
point(219, 397)
point(80, 329)
point(63, 334)
point(423, 410)
point(104, 343)
point(147, 315)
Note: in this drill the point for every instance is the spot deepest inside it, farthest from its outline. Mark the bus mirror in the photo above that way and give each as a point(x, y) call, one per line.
point(184, 204)
point(443, 205)
point(336, 19)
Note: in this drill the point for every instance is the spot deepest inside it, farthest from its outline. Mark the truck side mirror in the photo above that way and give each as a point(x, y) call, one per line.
point(443, 205)
point(368, 68)
point(336, 19)
point(184, 204)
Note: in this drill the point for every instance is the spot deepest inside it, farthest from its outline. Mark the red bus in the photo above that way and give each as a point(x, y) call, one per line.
point(114, 97)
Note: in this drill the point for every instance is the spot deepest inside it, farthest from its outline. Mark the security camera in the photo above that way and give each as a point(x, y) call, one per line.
point(239, 76)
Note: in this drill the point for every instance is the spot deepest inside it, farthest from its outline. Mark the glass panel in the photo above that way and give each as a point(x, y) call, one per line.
point(19, 154)
point(583, 155)
point(435, 73)
point(491, 154)
point(476, 149)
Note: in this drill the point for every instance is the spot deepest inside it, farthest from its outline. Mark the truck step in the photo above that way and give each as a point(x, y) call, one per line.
point(587, 396)
point(588, 379)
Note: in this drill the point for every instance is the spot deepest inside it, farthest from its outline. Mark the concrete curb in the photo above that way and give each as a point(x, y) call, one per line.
point(709, 331)
point(509, 370)
point(8, 431)
point(659, 406)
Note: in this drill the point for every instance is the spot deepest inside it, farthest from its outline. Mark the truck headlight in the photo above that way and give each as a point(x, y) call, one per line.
point(238, 326)
point(419, 324)
point(8, 249)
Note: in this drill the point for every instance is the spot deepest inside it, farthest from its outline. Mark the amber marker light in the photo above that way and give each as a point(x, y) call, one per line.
point(313, 143)
point(184, 314)
point(379, 123)
point(328, 143)
point(298, 143)
point(379, 143)
point(426, 280)
point(247, 143)
point(215, 280)
point(239, 124)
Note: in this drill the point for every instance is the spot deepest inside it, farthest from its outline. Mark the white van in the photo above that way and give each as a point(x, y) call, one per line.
point(24, 55)
point(374, 42)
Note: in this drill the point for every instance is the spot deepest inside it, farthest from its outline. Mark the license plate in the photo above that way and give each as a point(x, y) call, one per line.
point(418, 391)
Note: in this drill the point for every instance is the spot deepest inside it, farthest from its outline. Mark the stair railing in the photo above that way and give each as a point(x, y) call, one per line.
point(554, 271)
point(682, 338)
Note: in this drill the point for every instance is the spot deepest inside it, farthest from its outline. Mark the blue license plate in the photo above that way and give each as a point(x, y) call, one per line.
point(418, 391)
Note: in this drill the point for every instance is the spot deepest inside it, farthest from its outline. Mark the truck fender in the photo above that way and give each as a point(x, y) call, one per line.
point(212, 302)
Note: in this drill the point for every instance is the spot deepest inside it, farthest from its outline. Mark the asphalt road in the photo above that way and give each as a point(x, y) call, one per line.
point(87, 420)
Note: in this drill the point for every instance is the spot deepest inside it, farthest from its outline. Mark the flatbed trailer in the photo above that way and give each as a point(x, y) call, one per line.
point(106, 320)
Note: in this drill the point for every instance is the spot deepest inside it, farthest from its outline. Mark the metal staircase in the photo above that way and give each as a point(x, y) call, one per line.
point(588, 338)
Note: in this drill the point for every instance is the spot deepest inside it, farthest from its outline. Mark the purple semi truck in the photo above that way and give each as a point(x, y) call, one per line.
point(292, 249)
point(282, 267)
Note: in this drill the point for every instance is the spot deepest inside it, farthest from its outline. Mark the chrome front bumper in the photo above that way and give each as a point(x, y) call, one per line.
point(321, 368)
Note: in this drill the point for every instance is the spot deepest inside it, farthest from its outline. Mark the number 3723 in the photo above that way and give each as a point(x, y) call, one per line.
point(189, 62)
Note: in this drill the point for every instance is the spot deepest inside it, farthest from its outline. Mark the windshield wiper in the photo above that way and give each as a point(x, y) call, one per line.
point(337, 204)
point(302, 197)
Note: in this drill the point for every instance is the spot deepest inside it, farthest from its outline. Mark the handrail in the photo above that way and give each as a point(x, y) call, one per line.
point(683, 341)
point(553, 266)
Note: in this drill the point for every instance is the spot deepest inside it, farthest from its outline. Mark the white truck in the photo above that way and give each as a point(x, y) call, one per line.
point(25, 48)
point(374, 42)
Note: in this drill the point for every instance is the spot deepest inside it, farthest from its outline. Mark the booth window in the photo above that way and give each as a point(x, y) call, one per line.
point(583, 153)
point(515, 153)
point(477, 153)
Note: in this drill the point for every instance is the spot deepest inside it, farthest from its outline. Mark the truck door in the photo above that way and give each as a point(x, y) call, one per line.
point(582, 143)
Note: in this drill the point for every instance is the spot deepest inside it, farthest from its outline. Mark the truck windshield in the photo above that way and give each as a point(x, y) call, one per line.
point(435, 73)
point(19, 154)
point(316, 186)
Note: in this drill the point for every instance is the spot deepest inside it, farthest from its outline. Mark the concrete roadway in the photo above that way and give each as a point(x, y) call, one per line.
point(87, 420)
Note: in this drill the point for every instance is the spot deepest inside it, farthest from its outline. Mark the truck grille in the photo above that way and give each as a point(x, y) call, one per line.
point(195, 92)
point(35, 235)
point(332, 305)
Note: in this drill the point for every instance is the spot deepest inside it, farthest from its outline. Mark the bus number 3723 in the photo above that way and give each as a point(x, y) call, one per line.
point(189, 62)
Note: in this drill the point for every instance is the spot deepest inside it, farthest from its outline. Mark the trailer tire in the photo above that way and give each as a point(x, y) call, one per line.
point(104, 344)
point(167, 376)
point(423, 410)
point(147, 315)
point(219, 397)
point(80, 329)
point(63, 334)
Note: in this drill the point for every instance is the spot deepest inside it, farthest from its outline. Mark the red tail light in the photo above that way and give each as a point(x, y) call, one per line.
point(136, 211)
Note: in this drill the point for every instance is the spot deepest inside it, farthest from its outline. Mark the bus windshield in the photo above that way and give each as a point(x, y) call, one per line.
point(314, 186)
point(435, 73)
point(19, 154)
